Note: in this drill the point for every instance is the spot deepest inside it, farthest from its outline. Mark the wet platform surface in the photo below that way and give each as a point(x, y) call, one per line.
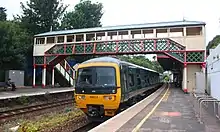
point(32, 91)
point(174, 113)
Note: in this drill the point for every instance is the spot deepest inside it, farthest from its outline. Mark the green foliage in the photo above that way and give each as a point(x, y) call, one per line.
point(85, 15)
point(39, 16)
point(3, 15)
point(13, 45)
point(48, 122)
point(166, 78)
point(23, 100)
point(213, 43)
point(143, 61)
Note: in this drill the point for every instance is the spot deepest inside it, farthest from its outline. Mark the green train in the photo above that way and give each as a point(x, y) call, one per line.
point(105, 84)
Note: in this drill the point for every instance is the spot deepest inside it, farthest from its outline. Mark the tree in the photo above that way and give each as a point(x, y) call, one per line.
point(143, 61)
point(213, 43)
point(3, 15)
point(13, 45)
point(85, 15)
point(41, 15)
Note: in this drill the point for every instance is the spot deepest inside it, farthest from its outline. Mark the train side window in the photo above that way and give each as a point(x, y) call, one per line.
point(138, 81)
point(131, 80)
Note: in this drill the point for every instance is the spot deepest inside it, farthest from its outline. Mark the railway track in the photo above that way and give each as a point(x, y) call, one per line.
point(33, 108)
point(87, 127)
point(92, 125)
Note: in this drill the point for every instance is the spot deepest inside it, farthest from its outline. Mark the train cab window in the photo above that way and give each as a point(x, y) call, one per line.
point(85, 76)
point(96, 76)
point(105, 76)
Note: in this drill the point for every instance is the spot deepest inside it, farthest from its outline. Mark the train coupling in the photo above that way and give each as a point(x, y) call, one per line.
point(95, 110)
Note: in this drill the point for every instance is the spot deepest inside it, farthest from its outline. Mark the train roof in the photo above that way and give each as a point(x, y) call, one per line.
point(117, 61)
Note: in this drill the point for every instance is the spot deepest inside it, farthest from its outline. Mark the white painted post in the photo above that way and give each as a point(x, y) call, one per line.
point(34, 74)
point(106, 35)
point(44, 77)
point(129, 34)
point(185, 78)
point(53, 77)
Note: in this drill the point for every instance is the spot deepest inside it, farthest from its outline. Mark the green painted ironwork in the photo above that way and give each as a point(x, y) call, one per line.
point(59, 50)
point(123, 46)
point(39, 60)
point(129, 46)
point(161, 44)
point(50, 58)
point(195, 56)
point(179, 56)
point(148, 45)
point(69, 49)
point(174, 46)
point(106, 47)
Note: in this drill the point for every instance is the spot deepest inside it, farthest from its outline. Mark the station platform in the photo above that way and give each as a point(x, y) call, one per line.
point(168, 109)
point(32, 92)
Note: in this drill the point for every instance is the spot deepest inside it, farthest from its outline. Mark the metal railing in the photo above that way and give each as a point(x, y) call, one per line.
point(205, 100)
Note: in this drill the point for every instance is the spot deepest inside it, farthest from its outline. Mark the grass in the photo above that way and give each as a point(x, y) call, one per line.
point(48, 122)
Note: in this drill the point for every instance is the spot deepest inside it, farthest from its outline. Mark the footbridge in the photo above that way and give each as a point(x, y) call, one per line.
point(179, 45)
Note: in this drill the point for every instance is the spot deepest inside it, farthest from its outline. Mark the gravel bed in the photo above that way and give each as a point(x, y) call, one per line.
point(62, 120)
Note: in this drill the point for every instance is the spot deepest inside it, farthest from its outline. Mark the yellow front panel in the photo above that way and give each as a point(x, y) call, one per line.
point(109, 101)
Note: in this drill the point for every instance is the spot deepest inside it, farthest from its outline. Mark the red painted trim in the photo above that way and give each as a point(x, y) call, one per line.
point(155, 45)
point(168, 44)
point(173, 57)
point(203, 65)
point(185, 90)
point(44, 66)
point(45, 59)
point(185, 57)
point(185, 65)
point(194, 63)
point(195, 50)
point(34, 66)
point(73, 50)
point(34, 86)
point(117, 47)
point(103, 41)
point(142, 46)
point(66, 71)
point(129, 46)
point(64, 48)
point(156, 51)
point(43, 86)
point(94, 48)
point(84, 48)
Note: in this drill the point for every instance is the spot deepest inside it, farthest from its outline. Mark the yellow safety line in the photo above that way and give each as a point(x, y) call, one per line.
point(146, 117)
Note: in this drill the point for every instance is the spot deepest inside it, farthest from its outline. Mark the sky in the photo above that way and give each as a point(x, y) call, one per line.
point(143, 11)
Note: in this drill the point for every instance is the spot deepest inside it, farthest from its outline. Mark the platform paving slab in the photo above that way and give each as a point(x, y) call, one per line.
point(114, 123)
point(32, 91)
point(174, 114)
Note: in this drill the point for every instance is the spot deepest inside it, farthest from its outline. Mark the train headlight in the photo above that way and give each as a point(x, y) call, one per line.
point(82, 97)
point(109, 97)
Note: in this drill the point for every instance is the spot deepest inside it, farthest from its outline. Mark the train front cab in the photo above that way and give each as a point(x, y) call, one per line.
point(93, 93)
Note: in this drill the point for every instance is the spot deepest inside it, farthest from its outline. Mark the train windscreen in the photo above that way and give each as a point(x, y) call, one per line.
point(95, 80)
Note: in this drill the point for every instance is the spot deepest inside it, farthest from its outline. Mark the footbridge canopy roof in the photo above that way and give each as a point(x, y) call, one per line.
point(124, 27)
